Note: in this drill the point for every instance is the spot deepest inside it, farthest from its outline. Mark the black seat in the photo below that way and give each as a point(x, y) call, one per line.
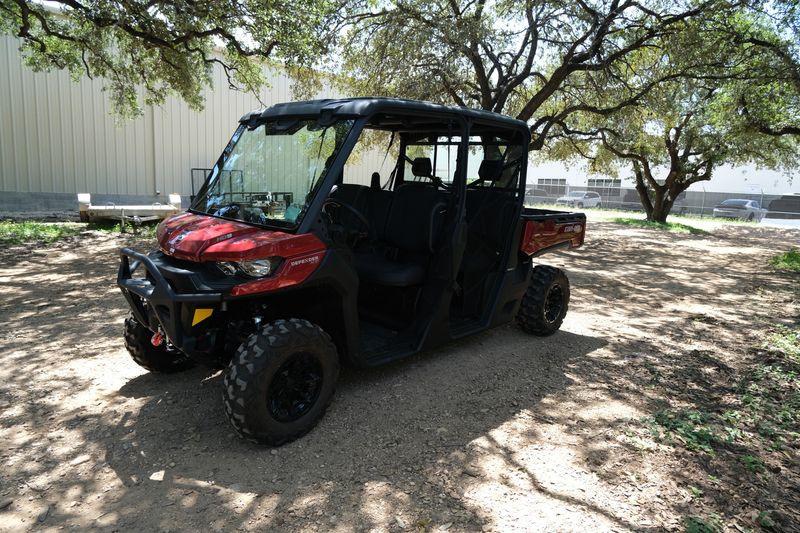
point(374, 203)
point(379, 270)
point(422, 167)
point(411, 235)
point(490, 216)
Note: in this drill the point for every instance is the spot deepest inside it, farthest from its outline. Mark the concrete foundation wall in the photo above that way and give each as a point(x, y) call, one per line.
point(24, 205)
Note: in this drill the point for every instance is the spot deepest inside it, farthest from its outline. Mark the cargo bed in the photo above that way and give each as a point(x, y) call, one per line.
point(547, 230)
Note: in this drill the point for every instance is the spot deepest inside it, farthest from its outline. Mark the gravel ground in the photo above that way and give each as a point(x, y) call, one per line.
point(501, 431)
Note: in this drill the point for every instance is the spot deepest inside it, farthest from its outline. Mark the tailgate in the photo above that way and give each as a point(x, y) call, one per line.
point(545, 230)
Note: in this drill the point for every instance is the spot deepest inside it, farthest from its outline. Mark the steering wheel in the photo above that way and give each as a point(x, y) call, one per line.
point(355, 235)
point(439, 182)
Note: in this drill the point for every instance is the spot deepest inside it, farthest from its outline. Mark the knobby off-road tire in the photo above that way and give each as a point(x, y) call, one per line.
point(280, 381)
point(153, 358)
point(545, 303)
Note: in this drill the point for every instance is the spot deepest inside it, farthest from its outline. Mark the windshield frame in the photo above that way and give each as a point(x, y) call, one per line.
point(318, 192)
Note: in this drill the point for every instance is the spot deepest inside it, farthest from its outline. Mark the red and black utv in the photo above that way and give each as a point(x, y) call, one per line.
point(301, 252)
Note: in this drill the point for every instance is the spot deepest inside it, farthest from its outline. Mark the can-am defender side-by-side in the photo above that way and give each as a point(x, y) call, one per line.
point(296, 256)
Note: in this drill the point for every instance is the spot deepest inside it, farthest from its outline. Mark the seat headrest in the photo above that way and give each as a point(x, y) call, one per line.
point(490, 169)
point(375, 181)
point(422, 167)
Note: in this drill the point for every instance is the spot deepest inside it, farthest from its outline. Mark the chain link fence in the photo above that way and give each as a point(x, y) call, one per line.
point(754, 204)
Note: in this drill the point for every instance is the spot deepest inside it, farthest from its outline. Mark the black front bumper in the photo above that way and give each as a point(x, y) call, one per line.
point(156, 304)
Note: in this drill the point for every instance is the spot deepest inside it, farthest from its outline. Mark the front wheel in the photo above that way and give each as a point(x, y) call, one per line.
point(163, 358)
point(545, 303)
point(751, 217)
point(280, 381)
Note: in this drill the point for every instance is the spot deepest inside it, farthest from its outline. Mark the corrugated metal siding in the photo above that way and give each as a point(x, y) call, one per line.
point(58, 136)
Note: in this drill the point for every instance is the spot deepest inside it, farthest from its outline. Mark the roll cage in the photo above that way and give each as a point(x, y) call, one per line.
point(411, 122)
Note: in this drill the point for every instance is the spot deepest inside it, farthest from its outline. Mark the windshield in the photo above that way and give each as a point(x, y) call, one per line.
point(740, 203)
point(268, 174)
point(576, 194)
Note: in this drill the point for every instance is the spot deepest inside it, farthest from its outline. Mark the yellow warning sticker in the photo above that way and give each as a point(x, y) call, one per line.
point(200, 315)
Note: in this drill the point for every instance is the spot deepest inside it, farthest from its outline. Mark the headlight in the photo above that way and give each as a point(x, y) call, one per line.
point(227, 268)
point(257, 268)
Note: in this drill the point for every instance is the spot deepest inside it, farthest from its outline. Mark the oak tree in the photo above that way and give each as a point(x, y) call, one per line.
point(145, 50)
point(690, 124)
point(527, 59)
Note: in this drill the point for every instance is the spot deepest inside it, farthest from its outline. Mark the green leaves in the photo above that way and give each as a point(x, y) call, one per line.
point(145, 51)
point(720, 92)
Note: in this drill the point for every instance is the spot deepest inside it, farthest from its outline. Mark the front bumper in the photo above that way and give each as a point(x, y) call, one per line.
point(156, 304)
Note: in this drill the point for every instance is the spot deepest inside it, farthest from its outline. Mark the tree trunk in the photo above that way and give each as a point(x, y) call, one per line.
point(657, 201)
point(660, 210)
point(644, 192)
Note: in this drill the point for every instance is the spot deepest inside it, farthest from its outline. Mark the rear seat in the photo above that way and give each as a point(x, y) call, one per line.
point(490, 216)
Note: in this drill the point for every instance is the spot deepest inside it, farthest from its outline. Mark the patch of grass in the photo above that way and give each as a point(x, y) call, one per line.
point(765, 521)
point(667, 226)
point(764, 417)
point(787, 341)
point(716, 220)
point(695, 524)
point(675, 214)
point(105, 226)
point(28, 232)
point(753, 463)
point(32, 232)
point(787, 260)
point(694, 429)
point(147, 230)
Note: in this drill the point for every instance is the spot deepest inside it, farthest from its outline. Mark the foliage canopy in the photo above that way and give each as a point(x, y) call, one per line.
point(696, 118)
point(147, 50)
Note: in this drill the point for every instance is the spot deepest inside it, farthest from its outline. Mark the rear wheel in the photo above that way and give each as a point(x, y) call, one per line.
point(154, 358)
point(280, 381)
point(545, 303)
point(750, 217)
point(579, 205)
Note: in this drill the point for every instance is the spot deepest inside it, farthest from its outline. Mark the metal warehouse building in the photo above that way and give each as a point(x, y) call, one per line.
point(59, 138)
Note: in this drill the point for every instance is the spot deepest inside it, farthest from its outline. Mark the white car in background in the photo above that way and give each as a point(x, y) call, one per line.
point(580, 199)
point(740, 208)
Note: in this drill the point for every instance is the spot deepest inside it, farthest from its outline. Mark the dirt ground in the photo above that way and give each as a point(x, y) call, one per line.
point(501, 431)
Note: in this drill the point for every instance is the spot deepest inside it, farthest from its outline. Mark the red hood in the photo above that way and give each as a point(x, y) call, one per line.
point(198, 238)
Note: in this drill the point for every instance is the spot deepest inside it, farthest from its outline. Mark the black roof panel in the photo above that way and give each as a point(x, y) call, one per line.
point(361, 107)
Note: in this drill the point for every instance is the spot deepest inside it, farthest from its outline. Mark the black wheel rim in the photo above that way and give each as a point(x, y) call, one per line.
point(295, 387)
point(553, 303)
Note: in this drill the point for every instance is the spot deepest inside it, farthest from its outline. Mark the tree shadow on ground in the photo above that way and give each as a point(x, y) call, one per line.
point(84, 442)
point(686, 346)
point(383, 450)
point(499, 430)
